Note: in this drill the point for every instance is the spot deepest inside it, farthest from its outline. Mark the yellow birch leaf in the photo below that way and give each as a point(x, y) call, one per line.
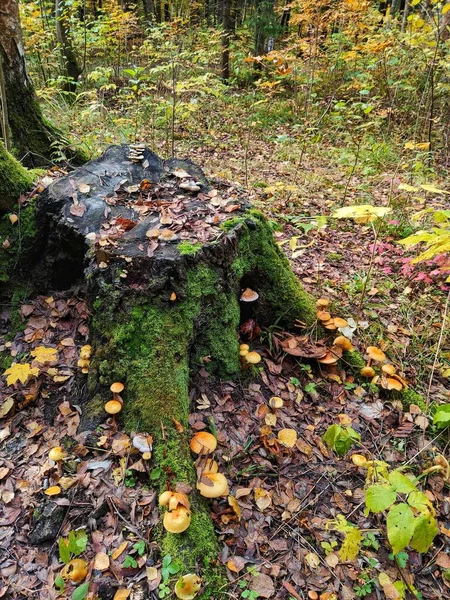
point(20, 372)
point(44, 355)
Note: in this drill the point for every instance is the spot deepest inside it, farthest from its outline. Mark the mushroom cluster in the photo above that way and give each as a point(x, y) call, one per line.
point(177, 518)
point(85, 358)
point(332, 355)
point(114, 406)
point(247, 356)
point(389, 379)
point(210, 484)
point(324, 316)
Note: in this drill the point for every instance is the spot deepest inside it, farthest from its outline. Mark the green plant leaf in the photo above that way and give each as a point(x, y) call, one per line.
point(380, 497)
point(64, 552)
point(420, 502)
point(400, 526)
point(401, 483)
point(139, 547)
point(77, 541)
point(81, 591)
point(129, 562)
point(442, 416)
point(166, 561)
point(59, 583)
point(425, 531)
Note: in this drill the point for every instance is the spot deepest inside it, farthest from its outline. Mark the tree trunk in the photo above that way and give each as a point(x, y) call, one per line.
point(32, 137)
point(69, 59)
point(149, 10)
point(226, 35)
point(445, 27)
point(162, 310)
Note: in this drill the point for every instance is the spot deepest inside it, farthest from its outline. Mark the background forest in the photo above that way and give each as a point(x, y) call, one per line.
point(333, 118)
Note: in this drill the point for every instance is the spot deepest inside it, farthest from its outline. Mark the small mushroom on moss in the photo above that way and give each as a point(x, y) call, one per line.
point(253, 358)
point(213, 485)
point(75, 570)
point(323, 315)
point(329, 359)
point(203, 443)
point(388, 369)
point(249, 295)
point(113, 407)
point(188, 586)
point(367, 371)
point(117, 387)
point(174, 499)
point(343, 342)
point(244, 349)
point(178, 520)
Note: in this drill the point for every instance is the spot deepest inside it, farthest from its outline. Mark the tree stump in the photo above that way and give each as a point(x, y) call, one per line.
point(165, 258)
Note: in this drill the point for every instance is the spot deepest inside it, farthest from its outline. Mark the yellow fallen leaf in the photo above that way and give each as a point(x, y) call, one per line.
point(428, 187)
point(7, 405)
point(389, 589)
point(101, 561)
point(287, 437)
point(270, 419)
point(43, 355)
point(262, 498)
point(118, 551)
point(122, 594)
point(235, 506)
point(344, 419)
point(312, 560)
point(20, 372)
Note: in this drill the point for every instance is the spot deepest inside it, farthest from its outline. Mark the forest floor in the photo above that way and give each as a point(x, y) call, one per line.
point(281, 540)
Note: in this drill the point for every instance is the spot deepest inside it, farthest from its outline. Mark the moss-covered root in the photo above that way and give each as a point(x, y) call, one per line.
point(14, 180)
point(17, 242)
point(195, 550)
point(261, 263)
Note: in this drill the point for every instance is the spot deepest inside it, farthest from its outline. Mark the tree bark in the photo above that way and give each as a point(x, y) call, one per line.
point(149, 10)
point(226, 35)
point(445, 27)
point(32, 137)
point(69, 59)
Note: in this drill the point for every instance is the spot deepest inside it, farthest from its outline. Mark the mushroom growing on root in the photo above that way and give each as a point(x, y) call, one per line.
point(213, 485)
point(117, 388)
point(203, 443)
point(113, 407)
point(178, 520)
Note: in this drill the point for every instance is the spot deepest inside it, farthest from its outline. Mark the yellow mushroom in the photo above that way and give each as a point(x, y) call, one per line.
point(188, 586)
point(203, 443)
point(178, 520)
point(213, 485)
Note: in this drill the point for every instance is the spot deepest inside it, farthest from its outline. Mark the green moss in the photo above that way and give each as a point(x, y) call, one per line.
point(14, 180)
point(188, 248)
point(354, 360)
point(20, 236)
point(409, 397)
point(260, 260)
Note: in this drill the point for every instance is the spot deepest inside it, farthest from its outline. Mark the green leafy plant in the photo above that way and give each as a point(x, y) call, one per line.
point(341, 438)
point(130, 480)
point(168, 568)
point(81, 591)
point(140, 547)
point(410, 516)
point(366, 585)
point(129, 562)
point(74, 545)
point(441, 417)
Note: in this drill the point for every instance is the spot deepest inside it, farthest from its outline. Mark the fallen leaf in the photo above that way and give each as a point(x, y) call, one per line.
point(287, 437)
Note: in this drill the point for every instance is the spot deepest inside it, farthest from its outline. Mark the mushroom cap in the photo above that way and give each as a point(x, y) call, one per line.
point(85, 351)
point(340, 322)
point(75, 570)
point(177, 521)
point(276, 402)
point(113, 407)
point(211, 466)
point(83, 363)
point(243, 352)
point(249, 295)
point(388, 369)
point(253, 358)
point(376, 354)
point(54, 490)
point(216, 485)
point(367, 371)
point(117, 387)
point(57, 453)
point(203, 443)
point(359, 460)
point(343, 342)
point(165, 497)
point(244, 347)
point(322, 303)
point(394, 384)
point(188, 586)
point(329, 359)
point(323, 315)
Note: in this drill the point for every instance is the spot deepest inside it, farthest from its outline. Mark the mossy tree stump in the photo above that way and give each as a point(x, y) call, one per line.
point(165, 259)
